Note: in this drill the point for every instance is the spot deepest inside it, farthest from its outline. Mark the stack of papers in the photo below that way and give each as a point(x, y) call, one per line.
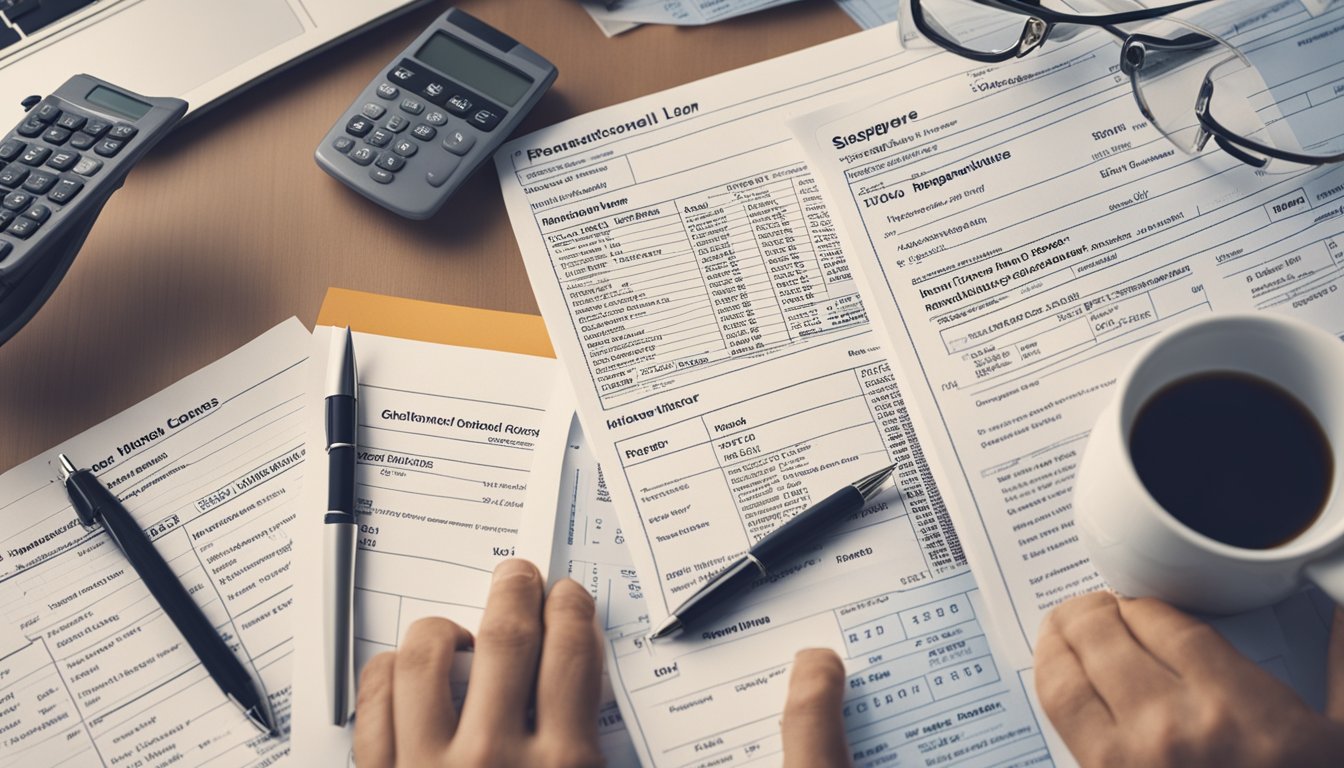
point(756, 289)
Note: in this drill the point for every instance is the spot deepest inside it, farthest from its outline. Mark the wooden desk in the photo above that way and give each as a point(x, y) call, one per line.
point(229, 227)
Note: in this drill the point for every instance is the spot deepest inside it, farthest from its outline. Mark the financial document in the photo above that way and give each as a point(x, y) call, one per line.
point(92, 672)
point(871, 13)
point(680, 12)
point(589, 547)
point(1022, 230)
point(447, 461)
point(728, 376)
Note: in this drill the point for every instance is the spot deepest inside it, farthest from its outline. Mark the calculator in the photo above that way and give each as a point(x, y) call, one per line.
point(438, 111)
point(58, 167)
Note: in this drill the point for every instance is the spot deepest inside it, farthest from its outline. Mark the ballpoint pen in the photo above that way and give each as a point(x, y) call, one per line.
point(338, 584)
point(96, 505)
point(774, 549)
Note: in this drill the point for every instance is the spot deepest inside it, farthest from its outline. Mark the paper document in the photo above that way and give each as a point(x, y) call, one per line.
point(589, 547)
point(92, 671)
point(449, 427)
point(680, 12)
point(728, 376)
point(1022, 230)
point(871, 13)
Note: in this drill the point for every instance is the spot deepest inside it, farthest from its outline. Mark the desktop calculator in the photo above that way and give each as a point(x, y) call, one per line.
point(58, 167)
point(438, 111)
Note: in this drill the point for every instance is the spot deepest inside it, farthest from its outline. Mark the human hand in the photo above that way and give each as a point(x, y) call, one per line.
point(813, 727)
point(1139, 683)
point(526, 654)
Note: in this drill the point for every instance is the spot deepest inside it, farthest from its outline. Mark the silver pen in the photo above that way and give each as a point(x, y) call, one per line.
point(340, 530)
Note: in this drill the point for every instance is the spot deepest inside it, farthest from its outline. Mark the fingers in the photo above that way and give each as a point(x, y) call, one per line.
point(1121, 670)
point(508, 644)
point(813, 728)
point(1183, 643)
point(1334, 706)
point(422, 700)
point(1065, 693)
point(570, 679)
point(373, 714)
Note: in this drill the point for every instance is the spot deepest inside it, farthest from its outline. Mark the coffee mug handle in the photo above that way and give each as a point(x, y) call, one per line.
point(1328, 574)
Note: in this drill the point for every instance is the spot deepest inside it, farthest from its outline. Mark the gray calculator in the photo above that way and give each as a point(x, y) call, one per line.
point(439, 110)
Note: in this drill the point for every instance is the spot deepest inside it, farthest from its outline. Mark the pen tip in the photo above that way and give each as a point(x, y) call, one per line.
point(671, 625)
point(66, 469)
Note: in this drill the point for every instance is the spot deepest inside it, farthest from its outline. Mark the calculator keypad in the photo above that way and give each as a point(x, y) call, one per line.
point(39, 176)
point(450, 122)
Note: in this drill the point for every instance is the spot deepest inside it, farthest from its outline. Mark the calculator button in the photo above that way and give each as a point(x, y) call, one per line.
point(17, 201)
point(122, 132)
point(391, 162)
point(433, 91)
point(23, 227)
point(11, 149)
point(373, 111)
point(459, 142)
point(46, 112)
point(364, 155)
point(388, 91)
point(5, 248)
point(56, 135)
point(72, 122)
point(381, 176)
point(30, 128)
point(413, 106)
point(65, 190)
point(108, 147)
point(6, 216)
point(435, 117)
point(82, 140)
point(358, 126)
point(423, 132)
point(38, 213)
point(39, 182)
point(35, 155)
point(96, 126)
point(343, 144)
point(13, 175)
point(62, 159)
point(441, 168)
point(459, 105)
point(405, 148)
point(88, 166)
point(401, 74)
point(486, 119)
point(379, 138)
point(396, 123)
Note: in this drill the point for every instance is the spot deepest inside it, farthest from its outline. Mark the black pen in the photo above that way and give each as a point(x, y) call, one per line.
point(95, 505)
point(800, 531)
point(338, 583)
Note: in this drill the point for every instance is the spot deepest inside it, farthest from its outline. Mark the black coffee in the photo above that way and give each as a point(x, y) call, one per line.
point(1234, 457)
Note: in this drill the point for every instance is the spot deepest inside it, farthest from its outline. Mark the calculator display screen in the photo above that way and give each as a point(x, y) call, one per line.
point(118, 102)
point(474, 69)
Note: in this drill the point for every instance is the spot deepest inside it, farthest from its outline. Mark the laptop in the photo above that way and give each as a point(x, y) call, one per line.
point(198, 50)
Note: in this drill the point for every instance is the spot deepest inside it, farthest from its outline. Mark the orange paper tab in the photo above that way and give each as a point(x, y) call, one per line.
point(436, 323)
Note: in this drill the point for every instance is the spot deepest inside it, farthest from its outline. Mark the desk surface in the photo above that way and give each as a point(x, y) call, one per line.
point(230, 227)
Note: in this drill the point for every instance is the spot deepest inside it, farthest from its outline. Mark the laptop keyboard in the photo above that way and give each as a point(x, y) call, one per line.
point(30, 16)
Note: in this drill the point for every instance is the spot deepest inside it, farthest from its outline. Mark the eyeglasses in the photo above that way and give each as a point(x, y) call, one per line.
point(1279, 108)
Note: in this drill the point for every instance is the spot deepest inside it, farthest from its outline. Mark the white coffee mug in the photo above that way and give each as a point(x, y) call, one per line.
point(1142, 550)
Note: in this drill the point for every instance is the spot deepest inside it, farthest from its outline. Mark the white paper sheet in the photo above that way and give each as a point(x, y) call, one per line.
point(448, 457)
point(727, 377)
point(1022, 229)
point(871, 13)
point(589, 547)
point(92, 672)
point(679, 12)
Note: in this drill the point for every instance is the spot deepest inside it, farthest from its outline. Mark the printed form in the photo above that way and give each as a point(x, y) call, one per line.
point(449, 452)
point(1022, 230)
point(92, 672)
point(728, 376)
point(589, 547)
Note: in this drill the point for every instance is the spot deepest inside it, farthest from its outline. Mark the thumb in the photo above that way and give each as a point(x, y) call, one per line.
point(813, 728)
point(1334, 700)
